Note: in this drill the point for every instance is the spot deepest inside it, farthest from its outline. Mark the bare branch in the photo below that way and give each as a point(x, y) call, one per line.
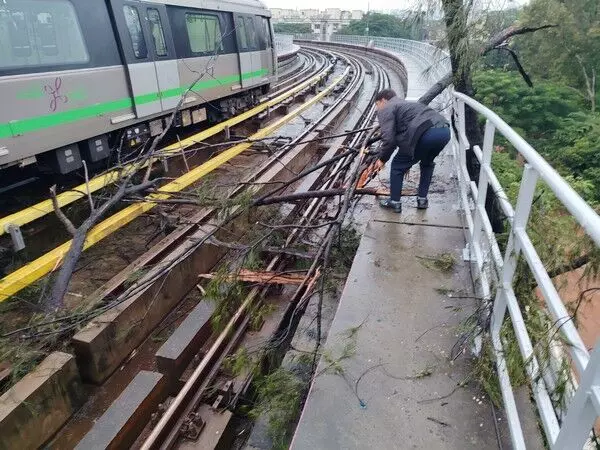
point(61, 216)
point(590, 84)
point(87, 186)
point(517, 63)
point(509, 32)
point(494, 43)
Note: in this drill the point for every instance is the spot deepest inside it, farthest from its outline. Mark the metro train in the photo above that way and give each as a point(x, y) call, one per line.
point(81, 77)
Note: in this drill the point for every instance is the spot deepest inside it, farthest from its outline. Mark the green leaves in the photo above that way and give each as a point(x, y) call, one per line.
point(386, 25)
point(554, 119)
point(292, 28)
point(565, 52)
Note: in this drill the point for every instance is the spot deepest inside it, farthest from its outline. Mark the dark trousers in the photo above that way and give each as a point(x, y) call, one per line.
point(430, 145)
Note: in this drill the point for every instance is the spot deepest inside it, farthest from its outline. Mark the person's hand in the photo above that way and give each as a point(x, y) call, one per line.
point(378, 165)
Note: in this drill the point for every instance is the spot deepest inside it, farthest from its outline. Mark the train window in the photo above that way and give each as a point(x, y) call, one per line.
point(37, 33)
point(242, 33)
point(267, 30)
point(251, 32)
point(44, 25)
point(158, 35)
point(132, 20)
point(204, 32)
point(262, 32)
point(19, 34)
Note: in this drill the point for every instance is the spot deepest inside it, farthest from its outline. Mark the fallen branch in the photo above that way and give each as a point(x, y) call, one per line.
point(261, 277)
point(331, 193)
point(570, 266)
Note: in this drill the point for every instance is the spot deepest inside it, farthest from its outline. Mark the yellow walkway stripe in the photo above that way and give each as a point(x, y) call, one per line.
point(40, 209)
point(26, 275)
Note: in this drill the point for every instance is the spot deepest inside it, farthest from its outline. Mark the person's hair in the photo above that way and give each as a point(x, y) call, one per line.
point(386, 94)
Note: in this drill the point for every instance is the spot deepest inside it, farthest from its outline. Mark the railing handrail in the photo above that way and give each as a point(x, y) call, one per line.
point(578, 418)
point(582, 211)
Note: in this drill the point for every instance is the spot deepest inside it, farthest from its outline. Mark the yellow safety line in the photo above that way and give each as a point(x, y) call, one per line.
point(26, 275)
point(40, 209)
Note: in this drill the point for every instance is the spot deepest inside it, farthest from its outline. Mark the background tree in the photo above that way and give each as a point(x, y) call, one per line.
point(557, 123)
point(569, 53)
point(387, 25)
point(292, 28)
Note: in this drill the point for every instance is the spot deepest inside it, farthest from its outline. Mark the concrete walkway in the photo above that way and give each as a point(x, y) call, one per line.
point(418, 78)
point(388, 378)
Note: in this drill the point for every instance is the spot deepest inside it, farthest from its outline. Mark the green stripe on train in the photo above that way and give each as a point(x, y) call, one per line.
point(23, 126)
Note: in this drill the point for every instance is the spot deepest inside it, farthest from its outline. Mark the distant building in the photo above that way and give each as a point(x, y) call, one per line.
point(325, 23)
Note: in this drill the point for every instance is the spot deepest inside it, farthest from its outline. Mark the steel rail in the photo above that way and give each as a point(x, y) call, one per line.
point(165, 433)
point(26, 275)
point(45, 207)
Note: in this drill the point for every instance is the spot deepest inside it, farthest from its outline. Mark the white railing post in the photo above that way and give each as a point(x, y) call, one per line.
point(584, 408)
point(524, 202)
point(462, 134)
point(488, 144)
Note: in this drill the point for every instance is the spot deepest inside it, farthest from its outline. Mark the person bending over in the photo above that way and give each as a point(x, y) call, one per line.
point(419, 133)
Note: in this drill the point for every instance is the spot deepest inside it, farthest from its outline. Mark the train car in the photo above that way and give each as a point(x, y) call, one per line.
point(81, 77)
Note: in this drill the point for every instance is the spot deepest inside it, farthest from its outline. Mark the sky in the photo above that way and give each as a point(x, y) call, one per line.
point(355, 4)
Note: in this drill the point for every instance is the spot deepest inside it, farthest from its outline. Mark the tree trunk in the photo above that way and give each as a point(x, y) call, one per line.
point(61, 284)
point(456, 15)
point(461, 60)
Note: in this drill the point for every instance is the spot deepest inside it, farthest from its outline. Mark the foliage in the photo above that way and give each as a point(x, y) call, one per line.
point(386, 25)
point(553, 120)
point(226, 294)
point(565, 52)
point(279, 395)
point(443, 262)
point(343, 253)
point(292, 28)
point(536, 112)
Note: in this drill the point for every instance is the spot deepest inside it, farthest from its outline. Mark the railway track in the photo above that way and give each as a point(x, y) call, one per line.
point(305, 66)
point(179, 416)
point(189, 394)
point(318, 68)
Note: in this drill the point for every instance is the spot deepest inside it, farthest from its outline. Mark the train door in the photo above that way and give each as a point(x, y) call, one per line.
point(248, 50)
point(165, 59)
point(149, 54)
point(267, 53)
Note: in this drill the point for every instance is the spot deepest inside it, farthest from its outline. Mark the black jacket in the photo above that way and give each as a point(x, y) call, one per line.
point(402, 124)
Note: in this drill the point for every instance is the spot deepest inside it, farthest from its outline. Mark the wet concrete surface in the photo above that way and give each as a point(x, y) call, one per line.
point(394, 384)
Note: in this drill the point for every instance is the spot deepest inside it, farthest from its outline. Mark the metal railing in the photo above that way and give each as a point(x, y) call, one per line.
point(566, 425)
point(432, 58)
point(284, 44)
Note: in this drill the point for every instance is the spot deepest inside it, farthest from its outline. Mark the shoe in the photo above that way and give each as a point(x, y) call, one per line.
point(388, 203)
point(422, 203)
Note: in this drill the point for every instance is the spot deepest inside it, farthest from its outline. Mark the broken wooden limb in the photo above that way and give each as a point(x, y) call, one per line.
point(323, 194)
point(267, 277)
